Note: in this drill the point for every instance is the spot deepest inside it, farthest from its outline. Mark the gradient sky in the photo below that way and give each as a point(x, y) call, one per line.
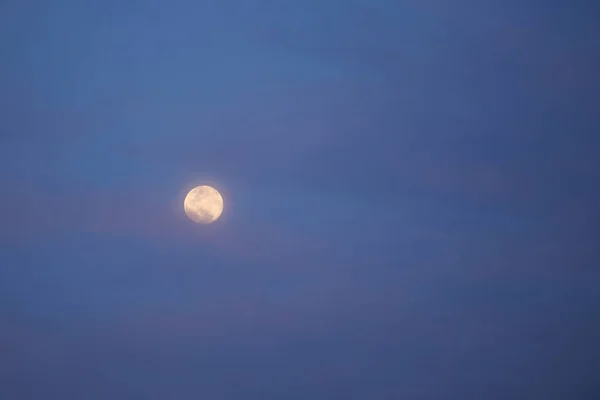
point(411, 195)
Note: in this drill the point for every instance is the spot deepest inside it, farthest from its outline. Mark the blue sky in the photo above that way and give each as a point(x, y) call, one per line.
point(411, 199)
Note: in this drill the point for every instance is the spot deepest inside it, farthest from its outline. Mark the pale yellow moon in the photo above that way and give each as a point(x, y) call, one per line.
point(203, 204)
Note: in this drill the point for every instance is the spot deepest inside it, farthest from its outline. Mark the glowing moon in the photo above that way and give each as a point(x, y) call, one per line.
point(203, 204)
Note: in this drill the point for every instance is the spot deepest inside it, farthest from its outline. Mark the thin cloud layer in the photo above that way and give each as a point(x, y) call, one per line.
point(410, 200)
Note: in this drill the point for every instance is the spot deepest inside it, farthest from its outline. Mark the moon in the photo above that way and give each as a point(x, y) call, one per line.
point(203, 204)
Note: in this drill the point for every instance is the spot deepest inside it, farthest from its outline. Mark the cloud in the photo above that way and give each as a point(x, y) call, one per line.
point(34, 216)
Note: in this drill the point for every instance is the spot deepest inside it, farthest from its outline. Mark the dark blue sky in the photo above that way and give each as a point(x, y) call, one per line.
point(411, 198)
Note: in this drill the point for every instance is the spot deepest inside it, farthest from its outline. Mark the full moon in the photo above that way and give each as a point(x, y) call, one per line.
point(203, 204)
